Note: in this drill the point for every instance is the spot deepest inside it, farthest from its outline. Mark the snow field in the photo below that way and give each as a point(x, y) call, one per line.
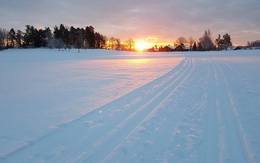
point(42, 89)
point(201, 108)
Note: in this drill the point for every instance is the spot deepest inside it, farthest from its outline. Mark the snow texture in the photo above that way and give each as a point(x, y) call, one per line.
point(108, 106)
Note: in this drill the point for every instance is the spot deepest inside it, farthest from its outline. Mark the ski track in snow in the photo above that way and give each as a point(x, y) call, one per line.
point(189, 114)
point(207, 130)
point(97, 134)
point(226, 127)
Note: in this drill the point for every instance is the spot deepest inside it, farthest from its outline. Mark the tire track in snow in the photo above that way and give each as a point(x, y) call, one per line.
point(232, 145)
point(100, 131)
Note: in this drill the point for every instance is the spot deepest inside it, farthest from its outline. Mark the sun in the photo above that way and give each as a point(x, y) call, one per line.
point(141, 46)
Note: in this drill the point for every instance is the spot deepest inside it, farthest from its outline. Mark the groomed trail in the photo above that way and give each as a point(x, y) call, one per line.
point(191, 114)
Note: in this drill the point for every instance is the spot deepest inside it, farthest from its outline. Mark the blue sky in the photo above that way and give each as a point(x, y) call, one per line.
point(162, 21)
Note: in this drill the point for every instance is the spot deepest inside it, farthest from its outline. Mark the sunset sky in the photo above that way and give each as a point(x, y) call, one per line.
point(147, 20)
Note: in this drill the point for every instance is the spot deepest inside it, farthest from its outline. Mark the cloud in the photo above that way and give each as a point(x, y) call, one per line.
point(165, 20)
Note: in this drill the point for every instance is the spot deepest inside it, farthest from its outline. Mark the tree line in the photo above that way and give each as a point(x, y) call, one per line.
point(61, 37)
point(204, 43)
point(71, 37)
point(253, 43)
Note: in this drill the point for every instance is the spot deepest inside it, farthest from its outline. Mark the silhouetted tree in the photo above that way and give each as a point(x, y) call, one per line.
point(40, 39)
point(12, 36)
point(130, 43)
point(223, 43)
point(248, 44)
point(227, 41)
point(206, 41)
point(112, 43)
point(62, 33)
point(57, 34)
point(194, 47)
point(29, 36)
point(61, 37)
point(80, 40)
point(3, 38)
point(73, 35)
point(118, 44)
point(65, 35)
point(218, 41)
point(200, 48)
point(255, 43)
point(100, 40)
point(90, 36)
point(191, 42)
point(181, 41)
point(19, 38)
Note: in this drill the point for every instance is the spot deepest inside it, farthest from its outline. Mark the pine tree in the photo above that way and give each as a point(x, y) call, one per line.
point(227, 41)
point(80, 39)
point(73, 35)
point(90, 36)
point(29, 36)
point(19, 38)
point(12, 36)
point(194, 48)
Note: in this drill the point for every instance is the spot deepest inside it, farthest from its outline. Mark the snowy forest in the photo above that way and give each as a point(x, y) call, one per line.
point(87, 38)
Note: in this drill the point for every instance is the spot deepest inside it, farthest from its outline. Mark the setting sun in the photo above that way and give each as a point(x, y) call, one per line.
point(141, 46)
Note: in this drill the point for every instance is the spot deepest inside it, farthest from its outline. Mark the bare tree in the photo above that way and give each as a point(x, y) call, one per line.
point(191, 42)
point(130, 43)
point(3, 38)
point(218, 41)
point(206, 41)
point(112, 43)
point(118, 44)
point(255, 43)
point(181, 41)
point(248, 44)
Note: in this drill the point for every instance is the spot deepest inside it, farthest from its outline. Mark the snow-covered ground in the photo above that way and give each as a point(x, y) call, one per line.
point(108, 106)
